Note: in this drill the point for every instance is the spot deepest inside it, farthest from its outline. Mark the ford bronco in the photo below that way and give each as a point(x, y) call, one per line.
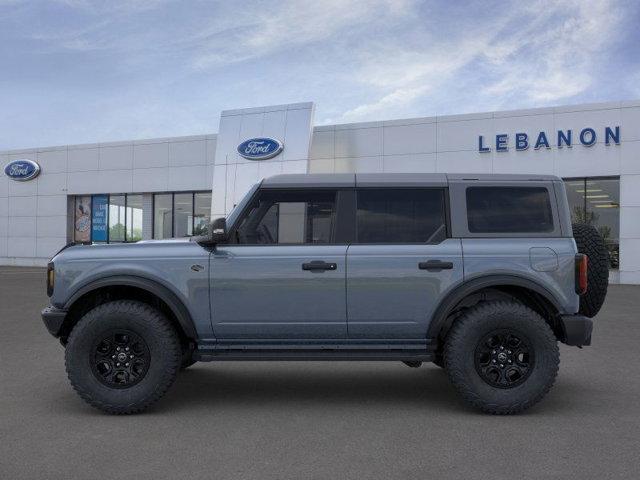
point(480, 274)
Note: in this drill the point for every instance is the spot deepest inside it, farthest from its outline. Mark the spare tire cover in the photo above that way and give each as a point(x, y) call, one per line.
point(591, 243)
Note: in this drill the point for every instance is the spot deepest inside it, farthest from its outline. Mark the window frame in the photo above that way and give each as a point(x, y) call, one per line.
point(445, 206)
point(337, 228)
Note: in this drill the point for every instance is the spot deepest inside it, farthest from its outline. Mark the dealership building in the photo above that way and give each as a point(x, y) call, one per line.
point(171, 187)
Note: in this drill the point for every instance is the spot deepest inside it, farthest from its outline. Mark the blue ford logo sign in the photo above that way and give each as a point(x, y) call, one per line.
point(22, 170)
point(260, 148)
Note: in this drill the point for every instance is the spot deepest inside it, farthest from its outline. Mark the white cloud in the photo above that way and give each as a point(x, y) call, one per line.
point(556, 63)
point(253, 33)
point(543, 51)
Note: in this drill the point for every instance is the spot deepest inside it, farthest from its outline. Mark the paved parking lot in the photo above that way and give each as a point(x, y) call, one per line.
point(316, 420)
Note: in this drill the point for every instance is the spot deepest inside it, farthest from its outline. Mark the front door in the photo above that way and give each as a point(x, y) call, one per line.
point(281, 276)
point(400, 264)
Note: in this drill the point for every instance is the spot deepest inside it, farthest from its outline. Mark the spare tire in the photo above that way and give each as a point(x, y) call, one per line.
point(590, 242)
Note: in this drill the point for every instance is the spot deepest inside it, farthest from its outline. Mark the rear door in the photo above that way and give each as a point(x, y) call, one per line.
point(401, 262)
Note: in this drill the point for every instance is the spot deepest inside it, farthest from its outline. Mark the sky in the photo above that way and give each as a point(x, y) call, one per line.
point(79, 71)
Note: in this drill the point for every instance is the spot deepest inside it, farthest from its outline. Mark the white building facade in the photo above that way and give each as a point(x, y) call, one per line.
point(171, 187)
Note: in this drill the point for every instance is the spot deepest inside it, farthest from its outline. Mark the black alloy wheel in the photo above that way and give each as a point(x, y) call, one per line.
point(120, 359)
point(504, 358)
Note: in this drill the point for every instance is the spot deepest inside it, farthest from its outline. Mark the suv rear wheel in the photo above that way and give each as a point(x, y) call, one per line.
point(122, 356)
point(502, 357)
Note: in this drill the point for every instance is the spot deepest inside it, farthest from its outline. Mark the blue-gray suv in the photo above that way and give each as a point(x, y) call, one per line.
point(479, 274)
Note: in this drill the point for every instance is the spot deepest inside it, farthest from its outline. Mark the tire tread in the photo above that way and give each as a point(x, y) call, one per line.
point(164, 329)
point(455, 370)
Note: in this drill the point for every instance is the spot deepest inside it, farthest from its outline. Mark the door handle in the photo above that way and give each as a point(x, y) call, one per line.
point(435, 265)
point(319, 266)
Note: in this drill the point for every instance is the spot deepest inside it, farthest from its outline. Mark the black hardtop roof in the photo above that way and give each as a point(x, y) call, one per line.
point(392, 179)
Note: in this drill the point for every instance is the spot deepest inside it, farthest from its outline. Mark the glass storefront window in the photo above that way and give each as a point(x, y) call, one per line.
point(134, 218)
point(182, 214)
point(99, 216)
point(596, 202)
point(201, 213)
point(82, 219)
point(117, 218)
point(162, 215)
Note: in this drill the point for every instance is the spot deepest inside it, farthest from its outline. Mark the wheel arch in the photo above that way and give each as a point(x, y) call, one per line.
point(131, 287)
point(523, 289)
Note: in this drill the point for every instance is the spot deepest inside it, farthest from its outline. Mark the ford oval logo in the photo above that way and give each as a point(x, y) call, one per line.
point(260, 148)
point(22, 170)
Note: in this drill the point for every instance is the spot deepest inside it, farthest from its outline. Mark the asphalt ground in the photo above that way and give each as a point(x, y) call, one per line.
point(324, 420)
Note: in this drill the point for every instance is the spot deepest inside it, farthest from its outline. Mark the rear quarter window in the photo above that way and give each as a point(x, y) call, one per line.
point(509, 210)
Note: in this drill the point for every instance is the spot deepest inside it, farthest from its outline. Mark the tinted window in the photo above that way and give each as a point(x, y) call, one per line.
point(289, 217)
point(401, 216)
point(509, 210)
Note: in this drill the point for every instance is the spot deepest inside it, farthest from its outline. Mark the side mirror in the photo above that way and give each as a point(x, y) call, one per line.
point(218, 231)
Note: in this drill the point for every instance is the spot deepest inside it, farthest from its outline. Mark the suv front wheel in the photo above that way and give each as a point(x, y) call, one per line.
point(122, 356)
point(502, 357)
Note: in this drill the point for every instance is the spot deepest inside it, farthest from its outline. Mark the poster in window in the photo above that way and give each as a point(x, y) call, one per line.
point(99, 209)
point(82, 220)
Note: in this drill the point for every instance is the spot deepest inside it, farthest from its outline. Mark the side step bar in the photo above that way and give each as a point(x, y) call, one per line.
point(314, 355)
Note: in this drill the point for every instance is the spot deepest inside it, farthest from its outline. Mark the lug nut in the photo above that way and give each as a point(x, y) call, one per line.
point(509, 352)
point(493, 351)
point(117, 364)
point(493, 361)
point(126, 364)
point(113, 356)
point(127, 349)
point(118, 349)
point(501, 366)
point(501, 348)
point(130, 356)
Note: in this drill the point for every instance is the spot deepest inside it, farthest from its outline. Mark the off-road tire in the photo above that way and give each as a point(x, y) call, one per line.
point(164, 355)
point(590, 242)
point(460, 360)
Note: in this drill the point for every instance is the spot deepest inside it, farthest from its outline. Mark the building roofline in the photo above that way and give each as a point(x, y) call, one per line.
point(584, 107)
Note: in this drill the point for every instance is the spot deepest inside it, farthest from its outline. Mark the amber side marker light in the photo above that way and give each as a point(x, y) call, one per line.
point(51, 278)
point(582, 262)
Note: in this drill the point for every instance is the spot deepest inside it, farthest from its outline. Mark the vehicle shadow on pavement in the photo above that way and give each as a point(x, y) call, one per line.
point(262, 385)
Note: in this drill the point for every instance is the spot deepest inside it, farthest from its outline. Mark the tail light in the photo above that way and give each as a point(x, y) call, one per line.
point(51, 278)
point(582, 262)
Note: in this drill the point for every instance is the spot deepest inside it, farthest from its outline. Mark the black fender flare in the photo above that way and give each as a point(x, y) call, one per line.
point(467, 288)
point(176, 306)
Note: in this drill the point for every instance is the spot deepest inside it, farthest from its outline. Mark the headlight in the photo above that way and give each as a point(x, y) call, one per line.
point(51, 278)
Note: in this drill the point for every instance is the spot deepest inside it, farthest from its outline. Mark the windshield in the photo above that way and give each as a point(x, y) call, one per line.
point(233, 214)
